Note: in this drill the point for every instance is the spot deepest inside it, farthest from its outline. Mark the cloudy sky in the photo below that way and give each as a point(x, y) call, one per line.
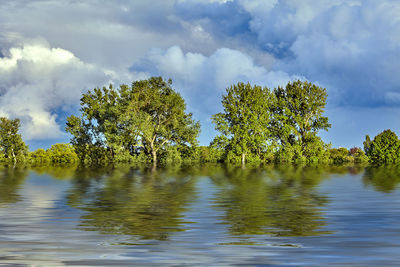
point(52, 51)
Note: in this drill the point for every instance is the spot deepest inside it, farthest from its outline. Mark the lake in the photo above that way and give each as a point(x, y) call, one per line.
point(210, 215)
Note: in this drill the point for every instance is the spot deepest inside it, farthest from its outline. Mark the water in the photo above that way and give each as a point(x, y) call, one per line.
point(206, 216)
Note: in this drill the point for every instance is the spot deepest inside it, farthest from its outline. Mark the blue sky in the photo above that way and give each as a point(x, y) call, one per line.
point(53, 51)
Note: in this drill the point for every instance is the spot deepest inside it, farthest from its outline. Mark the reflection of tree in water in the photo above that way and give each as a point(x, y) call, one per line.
point(147, 205)
point(383, 178)
point(56, 171)
point(11, 179)
point(279, 201)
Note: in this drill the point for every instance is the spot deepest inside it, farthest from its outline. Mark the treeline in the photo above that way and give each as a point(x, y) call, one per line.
point(147, 122)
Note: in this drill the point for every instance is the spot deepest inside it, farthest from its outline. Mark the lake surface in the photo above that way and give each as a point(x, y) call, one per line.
point(212, 215)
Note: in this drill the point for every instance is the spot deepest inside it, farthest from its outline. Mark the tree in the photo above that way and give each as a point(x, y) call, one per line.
point(298, 115)
point(144, 118)
point(162, 117)
point(62, 153)
point(11, 143)
point(384, 148)
point(244, 123)
point(358, 155)
point(299, 107)
point(39, 156)
point(367, 145)
point(340, 155)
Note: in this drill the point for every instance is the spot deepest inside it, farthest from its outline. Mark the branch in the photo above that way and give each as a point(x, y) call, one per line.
point(163, 142)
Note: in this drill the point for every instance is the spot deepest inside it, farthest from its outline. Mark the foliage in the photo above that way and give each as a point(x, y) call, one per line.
point(147, 122)
point(340, 155)
point(12, 146)
point(358, 155)
point(57, 154)
point(210, 154)
point(384, 148)
point(343, 155)
point(39, 156)
point(62, 153)
point(281, 124)
point(244, 122)
point(147, 117)
point(367, 145)
point(297, 118)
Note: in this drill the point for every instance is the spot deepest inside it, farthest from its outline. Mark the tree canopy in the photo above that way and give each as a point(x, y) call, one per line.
point(145, 118)
point(257, 121)
point(11, 144)
point(244, 122)
point(298, 118)
point(384, 148)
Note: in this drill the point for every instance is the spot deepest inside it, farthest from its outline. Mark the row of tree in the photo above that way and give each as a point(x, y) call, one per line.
point(148, 122)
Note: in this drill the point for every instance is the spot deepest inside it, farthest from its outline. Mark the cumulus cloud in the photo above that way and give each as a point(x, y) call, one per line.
point(108, 33)
point(39, 83)
point(352, 47)
point(203, 79)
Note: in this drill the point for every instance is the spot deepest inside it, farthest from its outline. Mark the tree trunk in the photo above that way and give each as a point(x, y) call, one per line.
point(243, 160)
point(13, 155)
point(154, 154)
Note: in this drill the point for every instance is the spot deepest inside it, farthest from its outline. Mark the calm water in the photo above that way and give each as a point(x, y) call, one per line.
point(208, 216)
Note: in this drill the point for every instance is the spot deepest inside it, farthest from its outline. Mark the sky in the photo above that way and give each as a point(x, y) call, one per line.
point(53, 51)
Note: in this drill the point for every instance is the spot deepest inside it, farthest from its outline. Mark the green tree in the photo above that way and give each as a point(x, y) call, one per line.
point(62, 153)
point(145, 118)
point(298, 116)
point(340, 155)
point(11, 143)
point(39, 156)
point(358, 155)
point(244, 123)
point(367, 145)
point(162, 117)
point(385, 148)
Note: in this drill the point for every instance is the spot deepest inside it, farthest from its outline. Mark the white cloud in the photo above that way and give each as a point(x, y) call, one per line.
point(203, 79)
point(38, 83)
point(351, 47)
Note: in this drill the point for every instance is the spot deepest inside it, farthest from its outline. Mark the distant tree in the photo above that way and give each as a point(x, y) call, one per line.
point(11, 143)
point(385, 148)
point(367, 145)
point(340, 155)
point(358, 155)
point(145, 118)
point(244, 123)
point(62, 153)
point(39, 156)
